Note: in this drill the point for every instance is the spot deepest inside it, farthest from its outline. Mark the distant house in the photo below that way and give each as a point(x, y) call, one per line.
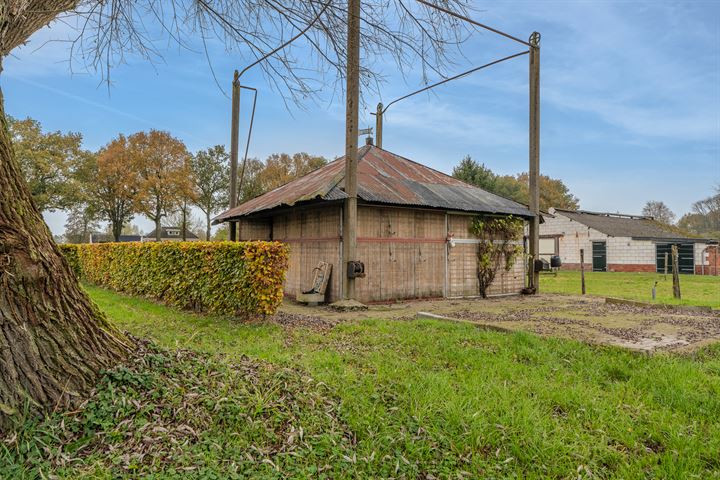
point(105, 238)
point(614, 242)
point(171, 234)
point(412, 229)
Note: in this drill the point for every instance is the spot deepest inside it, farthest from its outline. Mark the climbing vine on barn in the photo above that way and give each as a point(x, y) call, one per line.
point(497, 247)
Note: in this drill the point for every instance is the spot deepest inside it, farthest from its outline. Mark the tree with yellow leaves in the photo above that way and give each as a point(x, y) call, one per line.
point(162, 164)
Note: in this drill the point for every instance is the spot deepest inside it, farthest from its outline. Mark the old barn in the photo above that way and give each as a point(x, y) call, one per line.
point(412, 232)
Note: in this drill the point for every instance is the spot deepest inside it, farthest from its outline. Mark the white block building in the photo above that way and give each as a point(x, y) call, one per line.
point(620, 243)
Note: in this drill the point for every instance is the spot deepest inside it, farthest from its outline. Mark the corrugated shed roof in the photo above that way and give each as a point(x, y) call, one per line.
point(618, 225)
point(385, 178)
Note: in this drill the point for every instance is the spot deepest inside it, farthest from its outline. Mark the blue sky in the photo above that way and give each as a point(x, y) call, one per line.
point(630, 96)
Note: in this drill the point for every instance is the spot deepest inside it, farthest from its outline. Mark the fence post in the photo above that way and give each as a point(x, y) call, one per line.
point(582, 269)
point(666, 263)
point(675, 272)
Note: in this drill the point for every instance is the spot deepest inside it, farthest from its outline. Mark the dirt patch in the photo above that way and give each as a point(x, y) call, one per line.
point(635, 327)
point(295, 320)
point(587, 319)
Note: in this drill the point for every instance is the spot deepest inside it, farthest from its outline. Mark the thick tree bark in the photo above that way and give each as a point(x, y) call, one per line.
point(53, 339)
point(21, 18)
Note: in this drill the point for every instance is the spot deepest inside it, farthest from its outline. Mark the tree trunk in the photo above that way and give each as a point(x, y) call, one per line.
point(158, 228)
point(117, 230)
point(53, 339)
point(207, 228)
point(184, 221)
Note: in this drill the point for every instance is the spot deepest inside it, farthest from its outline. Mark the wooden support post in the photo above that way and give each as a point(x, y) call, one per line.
point(351, 145)
point(534, 168)
point(234, 133)
point(666, 265)
point(582, 270)
point(379, 125)
point(676, 272)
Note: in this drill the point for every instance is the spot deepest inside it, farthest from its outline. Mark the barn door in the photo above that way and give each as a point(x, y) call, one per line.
point(686, 257)
point(599, 256)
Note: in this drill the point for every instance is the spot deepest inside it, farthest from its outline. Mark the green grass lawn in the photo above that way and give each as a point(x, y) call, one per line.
point(695, 289)
point(427, 399)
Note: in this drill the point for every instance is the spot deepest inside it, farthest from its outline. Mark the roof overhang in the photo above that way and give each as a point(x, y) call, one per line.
point(678, 240)
point(280, 209)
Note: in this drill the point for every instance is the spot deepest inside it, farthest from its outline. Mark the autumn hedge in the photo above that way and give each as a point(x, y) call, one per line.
point(230, 278)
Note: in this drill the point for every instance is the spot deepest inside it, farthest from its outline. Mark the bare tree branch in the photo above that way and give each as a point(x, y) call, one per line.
point(414, 36)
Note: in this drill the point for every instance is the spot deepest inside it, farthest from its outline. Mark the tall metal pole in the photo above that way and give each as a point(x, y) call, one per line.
point(379, 125)
point(351, 144)
point(534, 170)
point(234, 130)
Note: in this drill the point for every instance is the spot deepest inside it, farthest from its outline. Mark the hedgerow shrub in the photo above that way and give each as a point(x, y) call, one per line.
point(230, 278)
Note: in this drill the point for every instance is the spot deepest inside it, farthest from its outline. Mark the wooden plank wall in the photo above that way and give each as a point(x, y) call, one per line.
point(255, 229)
point(403, 251)
point(313, 235)
point(462, 264)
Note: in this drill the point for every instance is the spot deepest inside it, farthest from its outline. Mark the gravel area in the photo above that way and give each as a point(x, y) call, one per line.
point(588, 319)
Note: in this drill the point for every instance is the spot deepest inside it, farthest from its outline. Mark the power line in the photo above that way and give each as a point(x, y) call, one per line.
point(472, 70)
point(469, 20)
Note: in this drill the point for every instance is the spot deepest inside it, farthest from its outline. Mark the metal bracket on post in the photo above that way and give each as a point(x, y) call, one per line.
point(379, 125)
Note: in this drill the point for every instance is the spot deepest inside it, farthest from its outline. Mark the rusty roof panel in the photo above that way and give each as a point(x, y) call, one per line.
point(383, 177)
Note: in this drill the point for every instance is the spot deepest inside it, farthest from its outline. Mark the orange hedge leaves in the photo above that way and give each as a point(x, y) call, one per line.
point(229, 278)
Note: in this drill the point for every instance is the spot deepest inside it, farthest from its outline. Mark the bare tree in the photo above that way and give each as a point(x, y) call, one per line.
point(54, 340)
point(659, 211)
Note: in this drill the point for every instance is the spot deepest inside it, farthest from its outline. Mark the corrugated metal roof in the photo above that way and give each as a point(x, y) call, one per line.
point(386, 178)
point(618, 225)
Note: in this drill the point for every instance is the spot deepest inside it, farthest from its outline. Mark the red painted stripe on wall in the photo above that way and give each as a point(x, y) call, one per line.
point(400, 240)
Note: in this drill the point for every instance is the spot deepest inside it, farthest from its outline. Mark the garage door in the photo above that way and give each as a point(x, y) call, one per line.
point(686, 257)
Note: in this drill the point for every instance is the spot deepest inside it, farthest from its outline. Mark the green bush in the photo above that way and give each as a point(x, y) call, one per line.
point(229, 278)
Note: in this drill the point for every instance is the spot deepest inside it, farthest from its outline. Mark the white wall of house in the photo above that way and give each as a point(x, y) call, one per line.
point(572, 237)
point(626, 251)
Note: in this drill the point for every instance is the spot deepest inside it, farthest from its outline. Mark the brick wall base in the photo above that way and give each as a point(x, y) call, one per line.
point(576, 266)
point(707, 270)
point(631, 267)
point(613, 267)
point(623, 267)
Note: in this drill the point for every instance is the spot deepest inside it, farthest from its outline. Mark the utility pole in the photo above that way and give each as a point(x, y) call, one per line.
point(379, 125)
point(534, 170)
point(235, 128)
point(349, 234)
